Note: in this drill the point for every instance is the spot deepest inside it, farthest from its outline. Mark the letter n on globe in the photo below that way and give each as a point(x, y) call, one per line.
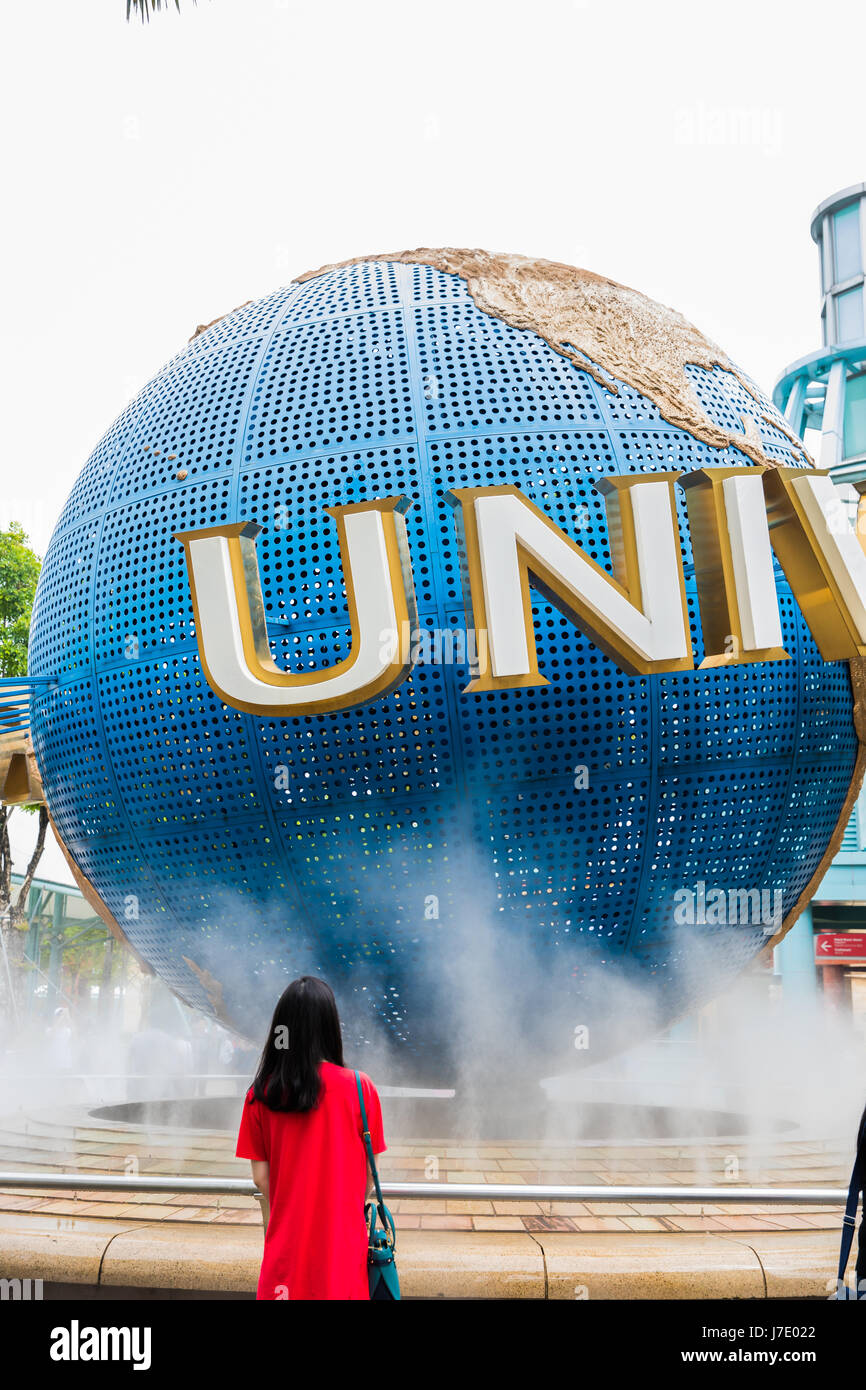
point(638, 616)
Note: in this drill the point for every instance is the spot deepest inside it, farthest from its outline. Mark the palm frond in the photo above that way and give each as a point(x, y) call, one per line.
point(143, 8)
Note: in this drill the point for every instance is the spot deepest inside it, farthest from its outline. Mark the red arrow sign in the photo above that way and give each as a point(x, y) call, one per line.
point(830, 946)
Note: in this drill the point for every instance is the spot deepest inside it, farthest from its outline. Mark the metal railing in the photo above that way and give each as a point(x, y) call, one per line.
point(240, 1078)
point(455, 1191)
point(15, 692)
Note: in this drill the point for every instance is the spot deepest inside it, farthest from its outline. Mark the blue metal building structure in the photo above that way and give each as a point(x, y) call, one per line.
point(823, 396)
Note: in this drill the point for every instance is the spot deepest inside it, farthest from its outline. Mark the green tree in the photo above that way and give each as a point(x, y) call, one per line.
point(19, 571)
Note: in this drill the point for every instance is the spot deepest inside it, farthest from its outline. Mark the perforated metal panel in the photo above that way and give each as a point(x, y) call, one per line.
point(237, 851)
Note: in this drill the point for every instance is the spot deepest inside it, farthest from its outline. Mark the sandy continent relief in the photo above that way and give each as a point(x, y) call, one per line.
point(605, 329)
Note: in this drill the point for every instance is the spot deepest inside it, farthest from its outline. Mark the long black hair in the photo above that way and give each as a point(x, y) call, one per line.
point(304, 1031)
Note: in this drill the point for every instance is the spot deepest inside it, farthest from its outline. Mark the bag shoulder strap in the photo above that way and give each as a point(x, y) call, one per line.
point(368, 1143)
point(849, 1221)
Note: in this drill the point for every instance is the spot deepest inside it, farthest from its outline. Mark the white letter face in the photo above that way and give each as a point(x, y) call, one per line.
point(511, 546)
point(733, 558)
point(230, 617)
point(752, 558)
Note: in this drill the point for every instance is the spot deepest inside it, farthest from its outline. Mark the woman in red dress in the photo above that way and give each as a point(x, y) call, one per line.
point(301, 1127)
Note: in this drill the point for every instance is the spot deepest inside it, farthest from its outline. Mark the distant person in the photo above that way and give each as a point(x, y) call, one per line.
point(301, 1128)
point(226, 1052)
point(60, 1051)
point(244, 1058)
point(156, 1061)
point(183, 1066)
point(200, 1054)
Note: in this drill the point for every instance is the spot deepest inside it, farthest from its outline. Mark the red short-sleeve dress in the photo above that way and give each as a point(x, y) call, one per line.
point(316, 1241)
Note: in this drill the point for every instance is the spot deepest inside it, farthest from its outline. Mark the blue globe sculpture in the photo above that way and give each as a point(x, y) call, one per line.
point(491, 866)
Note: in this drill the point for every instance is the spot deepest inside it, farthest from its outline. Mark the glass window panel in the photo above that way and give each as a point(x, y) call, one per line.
point(855, 416)
point(846, 238)
point(849, 315)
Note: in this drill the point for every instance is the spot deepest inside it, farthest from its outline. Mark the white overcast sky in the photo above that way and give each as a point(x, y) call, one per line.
point(156, 176)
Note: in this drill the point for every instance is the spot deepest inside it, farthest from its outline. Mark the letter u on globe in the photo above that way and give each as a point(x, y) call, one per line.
point(230, 614)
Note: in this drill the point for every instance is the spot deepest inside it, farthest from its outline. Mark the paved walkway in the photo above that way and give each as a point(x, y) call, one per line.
point(68, 1140)
point(119, 1244)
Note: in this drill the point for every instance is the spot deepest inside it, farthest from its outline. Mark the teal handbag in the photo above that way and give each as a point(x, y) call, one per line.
point(381, 1244)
